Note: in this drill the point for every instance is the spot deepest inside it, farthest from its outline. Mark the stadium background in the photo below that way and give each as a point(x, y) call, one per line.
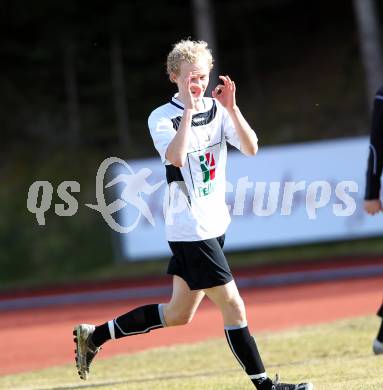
point(79, 79)
point(77, 82)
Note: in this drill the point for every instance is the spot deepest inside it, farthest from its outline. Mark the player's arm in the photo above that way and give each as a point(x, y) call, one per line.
point(372, 202)
point(177, 150)
point(225, 94)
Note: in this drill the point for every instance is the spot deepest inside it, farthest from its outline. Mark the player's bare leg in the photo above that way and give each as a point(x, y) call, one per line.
point(183, 304)
point(179, 311)
point(241, 343)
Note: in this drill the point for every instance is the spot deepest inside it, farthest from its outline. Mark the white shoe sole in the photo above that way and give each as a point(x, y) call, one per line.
point(309, 386)
point(81, 334)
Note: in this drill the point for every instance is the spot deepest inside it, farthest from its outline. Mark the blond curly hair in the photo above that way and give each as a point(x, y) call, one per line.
point(189, 51)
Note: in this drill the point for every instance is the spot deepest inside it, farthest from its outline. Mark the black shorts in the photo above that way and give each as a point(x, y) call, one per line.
point(202, 264)
point(380, 311)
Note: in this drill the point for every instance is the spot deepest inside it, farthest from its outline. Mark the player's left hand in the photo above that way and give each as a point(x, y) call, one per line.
point(225, 93)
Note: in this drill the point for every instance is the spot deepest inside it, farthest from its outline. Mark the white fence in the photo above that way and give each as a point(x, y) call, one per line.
point(288, 194)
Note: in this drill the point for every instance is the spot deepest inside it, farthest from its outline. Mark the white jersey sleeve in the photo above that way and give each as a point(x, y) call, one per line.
point(162, 132)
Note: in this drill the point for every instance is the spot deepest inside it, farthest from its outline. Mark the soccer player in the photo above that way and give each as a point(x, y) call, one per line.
point(190, 132)
point(373, 203)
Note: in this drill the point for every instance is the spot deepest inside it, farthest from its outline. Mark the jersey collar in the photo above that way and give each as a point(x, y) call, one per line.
point(176, 102)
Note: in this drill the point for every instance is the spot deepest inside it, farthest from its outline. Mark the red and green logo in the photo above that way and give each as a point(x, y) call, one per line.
point(207, 164)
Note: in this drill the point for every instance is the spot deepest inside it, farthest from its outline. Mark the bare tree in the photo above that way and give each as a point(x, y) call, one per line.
point(368, 28)
point(205, 30)
point(118, 81)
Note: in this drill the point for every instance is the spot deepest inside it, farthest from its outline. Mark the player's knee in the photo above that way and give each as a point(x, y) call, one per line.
point(236, 307)
point(176, 318)
point(185, 318)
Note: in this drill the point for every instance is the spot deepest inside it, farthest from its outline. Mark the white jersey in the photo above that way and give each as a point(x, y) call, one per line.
point(197, 208)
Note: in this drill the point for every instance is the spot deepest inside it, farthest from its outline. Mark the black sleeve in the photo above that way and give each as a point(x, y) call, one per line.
point(375, 158)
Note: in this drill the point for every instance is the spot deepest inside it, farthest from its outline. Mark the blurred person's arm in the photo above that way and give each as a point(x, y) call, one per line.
point(372, 203)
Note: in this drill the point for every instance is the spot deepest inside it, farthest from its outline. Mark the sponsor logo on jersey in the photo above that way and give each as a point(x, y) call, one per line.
point(207, 164)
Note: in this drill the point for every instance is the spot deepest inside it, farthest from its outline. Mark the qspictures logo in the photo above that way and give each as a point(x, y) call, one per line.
point(132, 191)
point(134, 184)
point(207, 164)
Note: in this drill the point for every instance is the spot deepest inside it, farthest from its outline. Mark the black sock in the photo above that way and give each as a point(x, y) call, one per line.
point(262, 383)
point(140, 320)
point(244, 348)
point(379, 337)
point(100, 335)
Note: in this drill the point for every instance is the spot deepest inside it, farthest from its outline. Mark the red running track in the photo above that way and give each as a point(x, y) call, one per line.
point(38, 338)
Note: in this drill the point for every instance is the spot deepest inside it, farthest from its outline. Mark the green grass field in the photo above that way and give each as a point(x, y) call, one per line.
point(333, 356)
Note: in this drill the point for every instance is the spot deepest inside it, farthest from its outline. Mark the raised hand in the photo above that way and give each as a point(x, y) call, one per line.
point(225, 93)
point(190, 91)
point(186, 92)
